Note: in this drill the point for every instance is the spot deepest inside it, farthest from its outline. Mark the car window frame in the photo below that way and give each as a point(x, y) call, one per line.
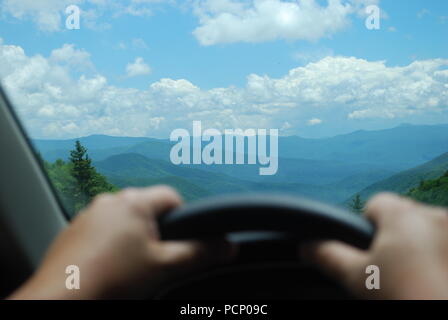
point(29, 205)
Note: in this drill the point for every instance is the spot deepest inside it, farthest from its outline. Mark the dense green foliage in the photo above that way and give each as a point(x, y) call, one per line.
point(427, 183)
point(77, 181)
point(433, 192)
point(406, 180)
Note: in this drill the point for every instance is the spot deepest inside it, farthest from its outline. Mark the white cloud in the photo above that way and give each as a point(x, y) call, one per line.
point(306, 56)
point(314, 122)
point(122, 46)
point(56, 103)
point(138, 68)
point(392, 29)
point(45, 13)
point(70, 55)
point(139, 43)
point(422, 13)
point(220, 21)
point(49, 15)
point(229, 21)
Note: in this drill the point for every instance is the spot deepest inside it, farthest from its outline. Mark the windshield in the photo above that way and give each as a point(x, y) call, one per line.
point(330, 100)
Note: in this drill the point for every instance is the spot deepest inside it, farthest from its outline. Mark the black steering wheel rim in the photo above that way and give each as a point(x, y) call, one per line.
point(268, 265)
point(296, 218)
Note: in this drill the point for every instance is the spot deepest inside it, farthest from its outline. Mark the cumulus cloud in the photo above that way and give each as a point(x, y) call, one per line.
point(49, 15)
point(139, 43)
point(220, 21)
point(45, 13)
point(422, 13)
point(68, 54)
point(314, 122)
point(138, 68)
point(392, 29)
point(229, 21)
point(58, 103)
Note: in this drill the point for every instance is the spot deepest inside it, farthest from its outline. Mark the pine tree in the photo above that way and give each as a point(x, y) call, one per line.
point(65, 184)
point(82, 170)
point(357, 204)
point(89, 182)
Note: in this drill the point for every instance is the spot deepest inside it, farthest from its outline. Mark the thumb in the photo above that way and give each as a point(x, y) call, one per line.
point(338, 260)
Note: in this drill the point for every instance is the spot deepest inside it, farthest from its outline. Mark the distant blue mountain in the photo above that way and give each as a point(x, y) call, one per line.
point(397, 149)
point(91, 142)
point(330, 168)
point(99, 146)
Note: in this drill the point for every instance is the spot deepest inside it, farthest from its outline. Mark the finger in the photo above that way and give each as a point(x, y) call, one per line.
point(338, 260)
point(192, 254)
point(152, 201)
point(387, 209)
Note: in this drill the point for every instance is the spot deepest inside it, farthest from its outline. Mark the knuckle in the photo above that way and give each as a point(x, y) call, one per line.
point(127, 195)
point(166, 189)
point(377, 203)
point(380, 200)
point(167, 192)
point(103, 198)
point(389, 202)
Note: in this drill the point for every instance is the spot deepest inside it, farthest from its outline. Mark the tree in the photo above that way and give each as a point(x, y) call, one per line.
point(433, 192)
point(65, 184)
point(82, 171)
point(89, 182)
point(357, 204)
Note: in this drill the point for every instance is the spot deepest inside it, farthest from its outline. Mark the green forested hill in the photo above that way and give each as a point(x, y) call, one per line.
point(294, 170)
point(188, 190)
point(126, 170)
point(404, 181)
point(330, 169)
point(433, 191)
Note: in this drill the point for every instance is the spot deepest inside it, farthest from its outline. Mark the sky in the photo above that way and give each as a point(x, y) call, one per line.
point(146, 67)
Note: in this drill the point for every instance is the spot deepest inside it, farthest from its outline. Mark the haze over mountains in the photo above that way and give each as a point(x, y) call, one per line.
point(330, 169)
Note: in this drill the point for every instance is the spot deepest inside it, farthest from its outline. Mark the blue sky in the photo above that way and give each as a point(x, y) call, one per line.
point(237, 79)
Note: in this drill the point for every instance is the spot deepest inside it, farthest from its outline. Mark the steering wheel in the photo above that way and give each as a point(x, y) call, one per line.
point(267, 229)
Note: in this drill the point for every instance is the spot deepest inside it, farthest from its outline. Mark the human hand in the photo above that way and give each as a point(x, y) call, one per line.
point(410, 248)
point(116, 245)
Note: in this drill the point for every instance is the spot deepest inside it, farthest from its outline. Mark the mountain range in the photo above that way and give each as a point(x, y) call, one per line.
point(330, 169)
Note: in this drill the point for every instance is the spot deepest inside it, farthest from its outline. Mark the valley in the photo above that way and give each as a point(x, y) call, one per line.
point(332, 170)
